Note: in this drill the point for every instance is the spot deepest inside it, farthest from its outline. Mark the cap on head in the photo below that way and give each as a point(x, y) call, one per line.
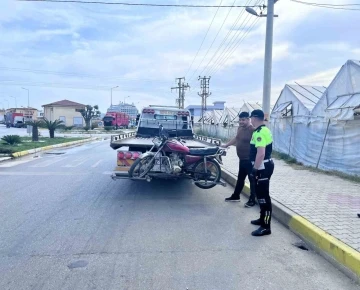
point(244, 115)
point(257, 114)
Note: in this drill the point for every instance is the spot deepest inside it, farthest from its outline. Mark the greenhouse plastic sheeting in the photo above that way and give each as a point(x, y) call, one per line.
point(326, 145)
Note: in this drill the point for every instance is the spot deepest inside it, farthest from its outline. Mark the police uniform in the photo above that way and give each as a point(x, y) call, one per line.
point(262, 137)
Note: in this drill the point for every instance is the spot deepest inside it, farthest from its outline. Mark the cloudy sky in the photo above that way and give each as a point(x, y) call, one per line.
point(79, 51)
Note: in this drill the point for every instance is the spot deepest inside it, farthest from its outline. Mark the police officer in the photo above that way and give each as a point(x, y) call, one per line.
point(263, 168)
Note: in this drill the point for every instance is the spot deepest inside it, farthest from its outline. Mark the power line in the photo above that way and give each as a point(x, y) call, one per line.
point(136, 4)
point(204, 38)
point(329, 6)
point(236, 46)
point(234, 42)
point(226, 37)
point(212, 42)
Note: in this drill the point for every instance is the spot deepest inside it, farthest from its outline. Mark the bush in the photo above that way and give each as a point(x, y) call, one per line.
point(108, 128)
point(11, 139)
point(86, 128)
point(68, 128)
point(6, 151)
point(94, 126)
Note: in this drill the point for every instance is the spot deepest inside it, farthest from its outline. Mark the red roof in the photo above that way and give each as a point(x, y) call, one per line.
point(65, 103)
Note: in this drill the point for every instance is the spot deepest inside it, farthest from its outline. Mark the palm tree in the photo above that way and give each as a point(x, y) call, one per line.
point(52, 126)
point(35, 128)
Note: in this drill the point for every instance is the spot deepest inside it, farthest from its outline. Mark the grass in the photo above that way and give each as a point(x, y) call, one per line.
point(202, 133)
point(299, 166)
point(27, 144)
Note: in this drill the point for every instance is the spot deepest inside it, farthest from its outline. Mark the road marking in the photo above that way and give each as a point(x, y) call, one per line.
point(76, 162)
point(11, 163)
point(16, 173)
point(49, 162)
point(97, 163)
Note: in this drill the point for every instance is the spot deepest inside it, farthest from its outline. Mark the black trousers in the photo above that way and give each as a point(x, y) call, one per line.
point(262, 188)
point(245, 168)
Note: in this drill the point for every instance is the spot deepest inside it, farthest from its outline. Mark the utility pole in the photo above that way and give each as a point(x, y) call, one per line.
point(181, 87)
point(268, 53)
point(268, 58)
point(204, 94)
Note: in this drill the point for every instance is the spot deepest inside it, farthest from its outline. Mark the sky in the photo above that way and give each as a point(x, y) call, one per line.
point(80, 51)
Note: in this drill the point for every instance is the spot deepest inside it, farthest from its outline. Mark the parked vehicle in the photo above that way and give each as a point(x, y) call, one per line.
point(172, 152)
point(15, 119)
point(117, 120)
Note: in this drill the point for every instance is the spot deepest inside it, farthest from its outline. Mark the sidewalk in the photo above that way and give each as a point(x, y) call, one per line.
point(329, 202)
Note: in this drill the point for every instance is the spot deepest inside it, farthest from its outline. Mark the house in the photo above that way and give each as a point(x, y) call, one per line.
point(28, 113)
point(66, 111)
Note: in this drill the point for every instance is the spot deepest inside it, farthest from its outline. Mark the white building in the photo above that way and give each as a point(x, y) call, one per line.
point(129, 109)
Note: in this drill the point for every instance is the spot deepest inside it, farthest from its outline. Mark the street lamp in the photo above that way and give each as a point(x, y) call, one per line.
point(268, 53)
point(15, 101)
point(28, 96)
point(7, 102)
point(111, 93)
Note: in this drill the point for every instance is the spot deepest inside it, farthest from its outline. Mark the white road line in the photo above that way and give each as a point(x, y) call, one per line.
point(40, 173)
point(97, 163)
point(12, 163)
point(76, 162)
point(49, 162)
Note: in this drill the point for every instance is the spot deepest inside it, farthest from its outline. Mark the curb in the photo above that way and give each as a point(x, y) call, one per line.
point(66, 144)
point(333, 250)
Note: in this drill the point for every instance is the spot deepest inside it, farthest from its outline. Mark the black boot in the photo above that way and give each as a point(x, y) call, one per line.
point(251, 202)
point(256, 222)
point(233, 197)
point(261, 232)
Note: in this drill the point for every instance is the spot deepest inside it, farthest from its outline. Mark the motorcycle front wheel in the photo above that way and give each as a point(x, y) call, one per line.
point(141, 167)
point(211, 177)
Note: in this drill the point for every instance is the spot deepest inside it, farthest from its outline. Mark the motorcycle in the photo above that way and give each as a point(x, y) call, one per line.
point(170, 158)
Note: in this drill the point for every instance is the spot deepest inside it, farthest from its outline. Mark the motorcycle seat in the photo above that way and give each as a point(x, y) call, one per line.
point(203, 151)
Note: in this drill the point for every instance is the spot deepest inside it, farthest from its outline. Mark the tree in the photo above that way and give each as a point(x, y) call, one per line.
point(35, 128)
point(52, 126)
point(89, 113)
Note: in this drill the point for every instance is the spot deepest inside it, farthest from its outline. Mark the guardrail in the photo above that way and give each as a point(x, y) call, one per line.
point(122, 136)
point(207, 139)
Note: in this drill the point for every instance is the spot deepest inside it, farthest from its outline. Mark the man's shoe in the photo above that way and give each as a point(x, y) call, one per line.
point(233, 198)
point(359, 215)
point(261, 232)
point(250, 203)
point(256, 222)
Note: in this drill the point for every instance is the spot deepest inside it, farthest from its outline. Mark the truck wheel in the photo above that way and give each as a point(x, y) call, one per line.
point(211, 178)
point(141, 166)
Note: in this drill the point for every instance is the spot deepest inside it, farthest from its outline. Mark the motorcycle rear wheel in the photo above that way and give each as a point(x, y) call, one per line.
point(141, 167)
point(209, 180)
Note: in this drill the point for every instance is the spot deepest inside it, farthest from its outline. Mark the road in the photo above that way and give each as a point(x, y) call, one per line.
point(66, 225)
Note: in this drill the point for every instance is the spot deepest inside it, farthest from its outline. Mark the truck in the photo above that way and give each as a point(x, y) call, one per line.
point(15, 119)
point(116, 120)
point(178, 126)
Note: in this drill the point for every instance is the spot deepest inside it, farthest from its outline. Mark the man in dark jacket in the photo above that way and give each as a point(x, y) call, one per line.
point(242, 142)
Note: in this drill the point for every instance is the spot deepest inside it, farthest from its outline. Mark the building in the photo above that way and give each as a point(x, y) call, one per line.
point(128, 109)
point(28, 113)
point(195, 110)
point(40, 114)
point(66, 111)
point(2, 115)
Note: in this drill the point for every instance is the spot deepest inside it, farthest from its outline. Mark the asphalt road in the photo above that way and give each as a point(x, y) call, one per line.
point(66, 225)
